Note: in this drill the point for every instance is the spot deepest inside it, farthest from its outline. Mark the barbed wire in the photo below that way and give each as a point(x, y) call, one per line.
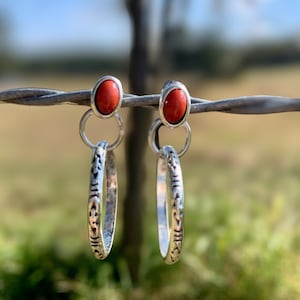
point(257, 104)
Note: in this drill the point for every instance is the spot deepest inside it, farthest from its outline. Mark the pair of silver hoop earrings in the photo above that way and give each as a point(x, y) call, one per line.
point(174, 107)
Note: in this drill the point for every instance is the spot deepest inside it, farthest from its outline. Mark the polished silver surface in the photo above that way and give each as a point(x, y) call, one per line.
point(86, 140)
point(166, 90)
point(101, 226)
point(153, 131)
point(94, 91)
point(170, 203)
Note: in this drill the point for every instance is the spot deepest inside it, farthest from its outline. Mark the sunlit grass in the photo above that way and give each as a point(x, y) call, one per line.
point(241, 176)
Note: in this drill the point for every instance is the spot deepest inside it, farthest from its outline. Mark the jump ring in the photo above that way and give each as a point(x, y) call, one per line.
point(101, 237)
point(88, 142)
point(170, 239)
point(153, 131)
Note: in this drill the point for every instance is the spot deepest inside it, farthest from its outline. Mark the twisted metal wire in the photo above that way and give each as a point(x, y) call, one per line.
point(258, 104)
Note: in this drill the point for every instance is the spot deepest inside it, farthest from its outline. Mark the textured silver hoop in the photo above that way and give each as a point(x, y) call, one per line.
point(88, 142)
point(153, 131)
point(101, 236)
point(170, 236)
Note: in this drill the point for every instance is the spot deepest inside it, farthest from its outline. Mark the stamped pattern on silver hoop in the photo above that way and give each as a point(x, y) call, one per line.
point(101, 236)
point(170, 233)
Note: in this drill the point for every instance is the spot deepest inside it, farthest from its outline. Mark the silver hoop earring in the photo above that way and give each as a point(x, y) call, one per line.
point(105, 100)
point(174, 108)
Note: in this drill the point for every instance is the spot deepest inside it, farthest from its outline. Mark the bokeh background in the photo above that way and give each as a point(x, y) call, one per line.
point(241, 173)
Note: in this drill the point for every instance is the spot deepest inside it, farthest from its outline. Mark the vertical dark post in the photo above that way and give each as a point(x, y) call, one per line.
point(139, 121)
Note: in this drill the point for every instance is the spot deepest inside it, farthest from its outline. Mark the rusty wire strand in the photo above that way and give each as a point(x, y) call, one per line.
point(258, 104)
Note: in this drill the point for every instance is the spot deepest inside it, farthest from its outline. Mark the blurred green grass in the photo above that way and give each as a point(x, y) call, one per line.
point(241, 174)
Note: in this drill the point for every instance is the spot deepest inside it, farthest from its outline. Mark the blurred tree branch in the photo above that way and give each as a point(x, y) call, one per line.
point(139, 120)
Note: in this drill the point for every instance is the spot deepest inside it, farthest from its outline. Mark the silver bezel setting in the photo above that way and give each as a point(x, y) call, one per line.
point(93, 96)
point(168, 87)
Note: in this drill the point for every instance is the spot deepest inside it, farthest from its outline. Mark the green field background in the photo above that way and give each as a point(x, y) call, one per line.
point(242, 193)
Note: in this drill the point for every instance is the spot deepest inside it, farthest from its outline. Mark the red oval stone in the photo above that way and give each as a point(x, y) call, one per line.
point(175, 105)
point(107, 97)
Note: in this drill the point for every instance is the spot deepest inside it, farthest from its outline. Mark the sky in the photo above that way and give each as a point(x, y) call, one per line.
point(38, 27)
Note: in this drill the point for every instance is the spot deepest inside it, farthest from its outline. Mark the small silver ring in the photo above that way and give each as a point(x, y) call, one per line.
point(101, 235)
point(153, 131)
point(170, 232)
point(85, 139)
